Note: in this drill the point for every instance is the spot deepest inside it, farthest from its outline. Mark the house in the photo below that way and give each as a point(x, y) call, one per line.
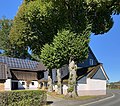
point(91, 80)
point(91, 77)
point(3, 74)
point(26, 74)
point(21, 74)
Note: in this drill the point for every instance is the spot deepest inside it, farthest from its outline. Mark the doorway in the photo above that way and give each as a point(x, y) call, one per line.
point(14, 85)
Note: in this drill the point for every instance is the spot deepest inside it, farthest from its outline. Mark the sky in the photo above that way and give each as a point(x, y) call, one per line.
point(106, 47)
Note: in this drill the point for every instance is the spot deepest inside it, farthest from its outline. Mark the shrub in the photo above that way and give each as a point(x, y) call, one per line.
point(70, 89)
point(23, 98)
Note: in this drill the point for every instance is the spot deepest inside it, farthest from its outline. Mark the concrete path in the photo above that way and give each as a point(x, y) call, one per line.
point(53, 101)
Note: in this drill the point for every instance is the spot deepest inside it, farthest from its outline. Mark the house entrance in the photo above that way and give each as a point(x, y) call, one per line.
point(14, 85)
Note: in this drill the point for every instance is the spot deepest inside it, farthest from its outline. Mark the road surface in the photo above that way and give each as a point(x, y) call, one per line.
point(110, 100)
point(114, 101)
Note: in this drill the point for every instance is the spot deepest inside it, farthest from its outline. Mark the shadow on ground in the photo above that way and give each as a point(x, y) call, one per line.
point(49, 102)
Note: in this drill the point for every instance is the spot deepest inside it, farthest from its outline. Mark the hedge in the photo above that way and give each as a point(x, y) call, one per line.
point(23, 98)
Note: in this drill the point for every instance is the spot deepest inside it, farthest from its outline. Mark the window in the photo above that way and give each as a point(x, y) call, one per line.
point(23, 83)
point(61, 72)
point(40, 75)
point(32, 83)
point(91, 61)
point(45, 84)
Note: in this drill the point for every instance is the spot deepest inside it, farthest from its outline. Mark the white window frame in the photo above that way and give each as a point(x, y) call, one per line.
point(91, 61)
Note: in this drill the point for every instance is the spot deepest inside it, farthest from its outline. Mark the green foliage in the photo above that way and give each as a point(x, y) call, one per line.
point(5, 26)
point(5, 44)
point(99, 13)
point(37, 21)
point(32, 25)
point(40, 23)
point(23, 98)
point(65, 45)
point(70, 89)
point(27, 1)
point(47, 56)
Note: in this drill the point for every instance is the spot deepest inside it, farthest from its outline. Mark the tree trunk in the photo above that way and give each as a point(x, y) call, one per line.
point(28, 83)
point(59, 81)
point(50, 87)
point(38, 84)
point(50, 81)
point(72, 79)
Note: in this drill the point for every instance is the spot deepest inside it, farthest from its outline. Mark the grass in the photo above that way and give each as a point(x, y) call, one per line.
point(114, 88)
point(85, 97)
point(55, 95)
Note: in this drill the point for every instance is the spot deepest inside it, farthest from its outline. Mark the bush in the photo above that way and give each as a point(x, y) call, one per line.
point(23, 98)
point(70, 89)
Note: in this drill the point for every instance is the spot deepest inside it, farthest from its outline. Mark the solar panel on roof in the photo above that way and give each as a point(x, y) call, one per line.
point(18, 63)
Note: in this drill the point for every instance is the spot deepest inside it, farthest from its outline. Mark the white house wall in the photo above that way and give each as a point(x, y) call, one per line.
point(93, 87)
point(95, 84)
point(20, 86)
point(35, 86)
point(8, 85)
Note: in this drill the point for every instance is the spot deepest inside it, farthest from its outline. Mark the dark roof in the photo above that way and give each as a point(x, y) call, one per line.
point(3, 71)
point(43, 80)
point(23, 64)
point(90, 50)
point(89, 71)
point(83, 72)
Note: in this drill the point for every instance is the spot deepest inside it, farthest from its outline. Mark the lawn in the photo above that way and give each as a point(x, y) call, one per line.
point(55, 95)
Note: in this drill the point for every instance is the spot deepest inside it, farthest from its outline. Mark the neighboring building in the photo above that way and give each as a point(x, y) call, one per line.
point(91, 77)
point(21, 74)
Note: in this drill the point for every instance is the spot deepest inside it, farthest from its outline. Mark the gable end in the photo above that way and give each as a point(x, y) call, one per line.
point(100, 74)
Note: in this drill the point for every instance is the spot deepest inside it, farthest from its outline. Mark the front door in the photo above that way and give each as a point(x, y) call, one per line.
point(14, 85)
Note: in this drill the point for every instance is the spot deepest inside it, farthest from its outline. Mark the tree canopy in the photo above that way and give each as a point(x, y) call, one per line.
point(62, 29)
point(66, 46)
point(5, 26)
point(10, 49)
point(37, 21)
point(33, 26)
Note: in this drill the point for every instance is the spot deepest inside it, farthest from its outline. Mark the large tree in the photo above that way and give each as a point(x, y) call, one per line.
point(33, 25)
point(66, 47)
point(38, 21)
point(5, 26)
point(10, 49)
